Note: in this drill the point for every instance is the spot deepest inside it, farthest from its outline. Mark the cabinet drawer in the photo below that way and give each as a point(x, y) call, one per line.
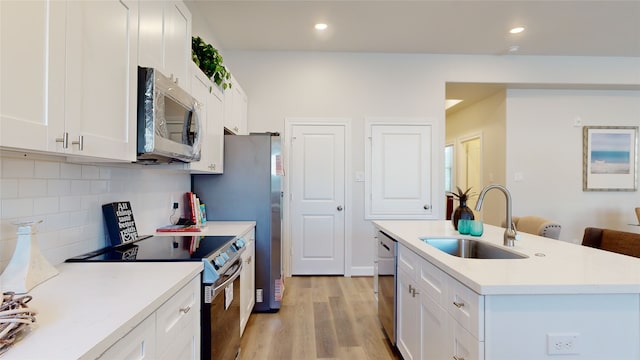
point(408, 261)
point(432, 282)
point(466, 307)
point(179, 315)
point(465, 345)
point(138, 344)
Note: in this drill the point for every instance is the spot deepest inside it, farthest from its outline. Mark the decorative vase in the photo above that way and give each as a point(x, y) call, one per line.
point(461, 212)
point(28, 267)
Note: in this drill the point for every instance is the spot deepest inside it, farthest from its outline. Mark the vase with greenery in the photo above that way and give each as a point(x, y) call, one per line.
point(209, 61)
point(462, 211)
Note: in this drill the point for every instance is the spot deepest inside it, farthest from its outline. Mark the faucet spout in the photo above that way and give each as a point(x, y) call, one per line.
point(510, 234)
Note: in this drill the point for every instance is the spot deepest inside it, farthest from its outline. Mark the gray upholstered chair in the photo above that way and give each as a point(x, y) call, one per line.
point(537, 225)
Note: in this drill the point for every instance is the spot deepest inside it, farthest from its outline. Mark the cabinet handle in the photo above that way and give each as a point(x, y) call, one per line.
point(455, 357)
point(80, 143)
point(64, 140)
point(185, 309)
point(410, 289)
point(249, 260)
point(414, 293)
point(458, 304)
point(236, 129)
point(427, 207)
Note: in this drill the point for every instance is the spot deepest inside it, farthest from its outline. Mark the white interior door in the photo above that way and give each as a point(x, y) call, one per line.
point(471, 167)
point(317, 188)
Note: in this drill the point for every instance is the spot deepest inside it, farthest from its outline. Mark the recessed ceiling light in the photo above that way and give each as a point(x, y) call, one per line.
point(321, 26)
point(516, 30)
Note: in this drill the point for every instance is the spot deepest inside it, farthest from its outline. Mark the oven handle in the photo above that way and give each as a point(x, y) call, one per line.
point(232, 278)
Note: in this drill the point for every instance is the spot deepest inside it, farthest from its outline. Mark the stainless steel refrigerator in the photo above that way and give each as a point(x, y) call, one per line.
point(250, 189)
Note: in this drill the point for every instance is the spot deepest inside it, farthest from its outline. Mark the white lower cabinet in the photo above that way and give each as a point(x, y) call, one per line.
point(438, 317)
point(247, 280)
point(140, 343)
point(171, 332)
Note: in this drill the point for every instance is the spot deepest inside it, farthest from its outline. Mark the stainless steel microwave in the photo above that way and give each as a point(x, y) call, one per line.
point(169, 123)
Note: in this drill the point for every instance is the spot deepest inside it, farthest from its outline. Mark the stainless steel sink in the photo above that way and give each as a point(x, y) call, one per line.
point(472, 249)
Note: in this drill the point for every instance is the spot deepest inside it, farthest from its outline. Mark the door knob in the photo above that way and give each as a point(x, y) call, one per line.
point(339, 207)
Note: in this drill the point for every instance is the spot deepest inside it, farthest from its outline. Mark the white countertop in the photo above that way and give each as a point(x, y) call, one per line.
point(217, 228)
point(565, 268)
point(89, 306)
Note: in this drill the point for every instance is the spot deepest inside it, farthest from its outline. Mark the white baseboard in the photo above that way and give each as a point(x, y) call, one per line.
point(362, 271)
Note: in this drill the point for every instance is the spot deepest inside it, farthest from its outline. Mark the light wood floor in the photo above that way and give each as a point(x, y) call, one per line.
point(321, 317)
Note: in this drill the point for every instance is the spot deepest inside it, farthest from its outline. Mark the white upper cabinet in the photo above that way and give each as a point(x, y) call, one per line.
point(32, 37)
point(399, 171)
point(101, 85)
point(235, 109)
point(210, 101)
point(165, 39)
point(69, 79)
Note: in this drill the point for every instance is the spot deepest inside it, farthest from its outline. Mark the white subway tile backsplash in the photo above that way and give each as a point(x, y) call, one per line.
point(16, 208)
point(70, 171)
point(99, 186)
point(8, 188)
point(58, 187)
point(46, 170)
point(69, 197)
point(32, 188)
point(90, 172)
point(70, 203)
point(17, 168)
point(105, 173)
point(80, 187)
point(46, 205)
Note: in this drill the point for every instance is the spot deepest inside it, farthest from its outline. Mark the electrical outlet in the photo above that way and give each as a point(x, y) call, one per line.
point(563, 343)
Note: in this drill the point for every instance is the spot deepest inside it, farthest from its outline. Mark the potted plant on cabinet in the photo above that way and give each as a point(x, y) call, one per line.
point(209, 61)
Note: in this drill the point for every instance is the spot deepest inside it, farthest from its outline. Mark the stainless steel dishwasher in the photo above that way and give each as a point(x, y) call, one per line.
point(387, 279)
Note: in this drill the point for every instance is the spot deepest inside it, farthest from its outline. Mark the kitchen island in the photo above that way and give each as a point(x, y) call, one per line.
point(561, 299)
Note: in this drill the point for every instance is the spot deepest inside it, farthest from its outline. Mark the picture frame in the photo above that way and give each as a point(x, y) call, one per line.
point(610, 158)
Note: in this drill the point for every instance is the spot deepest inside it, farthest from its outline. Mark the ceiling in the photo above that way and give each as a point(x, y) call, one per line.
point(475, 27)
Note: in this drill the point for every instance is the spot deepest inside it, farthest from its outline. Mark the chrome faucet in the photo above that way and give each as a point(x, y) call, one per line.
point(510, 234)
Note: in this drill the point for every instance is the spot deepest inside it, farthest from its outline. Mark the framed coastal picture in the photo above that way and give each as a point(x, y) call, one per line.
point(610, 158)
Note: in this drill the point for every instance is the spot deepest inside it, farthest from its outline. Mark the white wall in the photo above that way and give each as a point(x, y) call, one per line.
point(545, 146)
point(68, 198)
point(357, 85)
point(488, 119)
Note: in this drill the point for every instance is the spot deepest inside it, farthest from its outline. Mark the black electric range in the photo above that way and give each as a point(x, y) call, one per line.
point(220, 297)
point(216, 252)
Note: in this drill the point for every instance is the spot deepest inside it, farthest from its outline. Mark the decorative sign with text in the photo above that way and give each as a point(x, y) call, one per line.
point(119, 219)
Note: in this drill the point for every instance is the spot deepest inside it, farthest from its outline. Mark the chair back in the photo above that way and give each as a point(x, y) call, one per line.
point(620, 242)
point(537, 225)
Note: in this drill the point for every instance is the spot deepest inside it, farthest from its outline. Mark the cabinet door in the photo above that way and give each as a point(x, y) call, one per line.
point(247, 292)
point(200, 87)
point(32, 34)
point(434, 329)
point(138, 344)
point(400, 176)
point(462, 344)
point(210, 99)
point(150, 35)
point(101, 86)
point(177, 42)
point(178, 324)
point(407, 320)
point(235, 108)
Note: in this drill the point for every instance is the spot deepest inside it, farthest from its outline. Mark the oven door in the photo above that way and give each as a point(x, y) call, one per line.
point(221, 317)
